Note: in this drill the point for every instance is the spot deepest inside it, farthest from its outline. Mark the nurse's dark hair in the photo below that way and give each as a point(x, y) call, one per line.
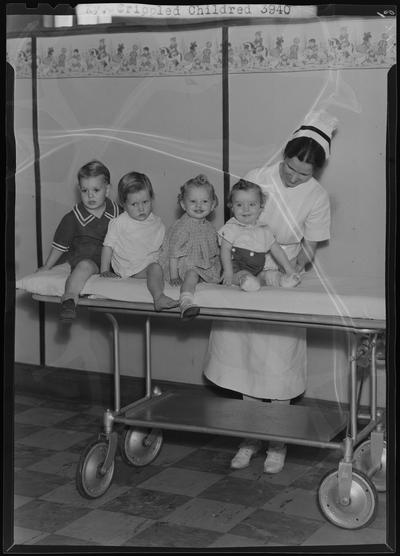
point(198, 181)
point(244, 185)
point(133, 182)
point(93, 169)
point(306, 150)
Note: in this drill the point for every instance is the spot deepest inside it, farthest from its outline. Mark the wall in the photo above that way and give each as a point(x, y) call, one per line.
point(171, 128)
point(26, 322)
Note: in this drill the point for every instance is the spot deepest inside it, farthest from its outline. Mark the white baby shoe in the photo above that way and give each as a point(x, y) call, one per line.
point(249, 283)
point(188, 310)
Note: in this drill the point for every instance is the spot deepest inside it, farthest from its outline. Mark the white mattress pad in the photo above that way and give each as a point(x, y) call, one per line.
point(348, 297)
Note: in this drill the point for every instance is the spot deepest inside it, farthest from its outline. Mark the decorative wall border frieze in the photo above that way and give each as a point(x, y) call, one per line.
point(337, 44)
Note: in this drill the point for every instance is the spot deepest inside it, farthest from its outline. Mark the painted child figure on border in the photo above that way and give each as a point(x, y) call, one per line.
point(78, 239)
point(245, 242)
point(190, 252)
point(132, 245)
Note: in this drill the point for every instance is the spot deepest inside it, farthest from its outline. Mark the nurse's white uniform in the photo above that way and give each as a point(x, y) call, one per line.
point(270, 361)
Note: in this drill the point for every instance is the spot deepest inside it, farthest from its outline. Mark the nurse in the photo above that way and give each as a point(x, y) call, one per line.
point(268, 362)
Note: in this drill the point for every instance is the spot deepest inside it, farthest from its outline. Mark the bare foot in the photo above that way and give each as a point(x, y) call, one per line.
point(165, 302)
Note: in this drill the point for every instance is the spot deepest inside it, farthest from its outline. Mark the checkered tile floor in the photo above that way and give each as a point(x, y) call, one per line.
point(188, 497)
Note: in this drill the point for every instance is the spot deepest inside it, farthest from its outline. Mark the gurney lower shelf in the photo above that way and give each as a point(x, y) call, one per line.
point(233, 417)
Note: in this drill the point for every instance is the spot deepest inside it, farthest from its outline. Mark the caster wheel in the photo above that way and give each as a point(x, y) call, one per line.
point(139, 447)
point(363, 501)
point(362, 462)
point(90, 482)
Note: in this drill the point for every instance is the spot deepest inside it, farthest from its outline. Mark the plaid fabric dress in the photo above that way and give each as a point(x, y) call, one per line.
point(194, 243)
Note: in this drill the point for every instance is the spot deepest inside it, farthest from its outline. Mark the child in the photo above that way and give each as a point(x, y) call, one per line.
point(79, 236)
point(190, 251)
point(134, 239)
point(245, 242)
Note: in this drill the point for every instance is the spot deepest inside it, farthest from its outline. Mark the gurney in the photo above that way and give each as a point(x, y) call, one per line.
point(347, 496)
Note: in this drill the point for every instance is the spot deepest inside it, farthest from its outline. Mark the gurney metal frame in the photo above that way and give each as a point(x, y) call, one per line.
point(347, 496)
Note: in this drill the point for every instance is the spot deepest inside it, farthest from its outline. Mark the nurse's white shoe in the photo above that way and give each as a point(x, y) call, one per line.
point(275, 460)
point(244, 454)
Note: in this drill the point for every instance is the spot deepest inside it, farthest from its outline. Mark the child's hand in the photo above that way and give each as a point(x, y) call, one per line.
point(227, 279)
point(175, 281)
point(272, 278)
point(290, 281)
point(108, 274)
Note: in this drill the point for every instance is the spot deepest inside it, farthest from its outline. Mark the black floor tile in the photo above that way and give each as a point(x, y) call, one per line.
point(83, 422)
point(61, 540)
point(24, 456)
point(211, 461)
point(46, 516)
point(173, 536)
point(311, 479)
point(268, 526)
point(146, 503)
point(35, 484)
point(22, 430)
point(241, 491)
point(128, 475)
point(305, 455)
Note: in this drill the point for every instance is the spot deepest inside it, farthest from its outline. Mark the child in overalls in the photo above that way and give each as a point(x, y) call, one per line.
point(245, 242)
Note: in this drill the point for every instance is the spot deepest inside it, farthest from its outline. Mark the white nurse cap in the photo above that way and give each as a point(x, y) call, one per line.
point(319, 126)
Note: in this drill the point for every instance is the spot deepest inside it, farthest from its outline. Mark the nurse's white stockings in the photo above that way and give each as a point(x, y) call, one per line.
point(276, 454)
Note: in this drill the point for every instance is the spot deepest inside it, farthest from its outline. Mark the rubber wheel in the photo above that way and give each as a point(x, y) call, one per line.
point(362, 462)
point(139, 447)
point(362, 508)
point(89, 481)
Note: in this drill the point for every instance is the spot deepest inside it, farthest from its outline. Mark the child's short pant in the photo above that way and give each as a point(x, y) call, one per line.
point(85, 252)
point(244, 259)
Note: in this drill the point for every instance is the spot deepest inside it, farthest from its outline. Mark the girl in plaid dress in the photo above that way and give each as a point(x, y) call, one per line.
point(190, 251)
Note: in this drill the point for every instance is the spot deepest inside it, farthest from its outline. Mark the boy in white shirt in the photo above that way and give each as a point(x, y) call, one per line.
point(133, 241)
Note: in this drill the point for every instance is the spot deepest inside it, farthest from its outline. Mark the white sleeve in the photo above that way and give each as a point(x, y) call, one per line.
point(112, 233)
point(318, 221)
point(228, 232)
point(159, 238)
point(269, 238)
